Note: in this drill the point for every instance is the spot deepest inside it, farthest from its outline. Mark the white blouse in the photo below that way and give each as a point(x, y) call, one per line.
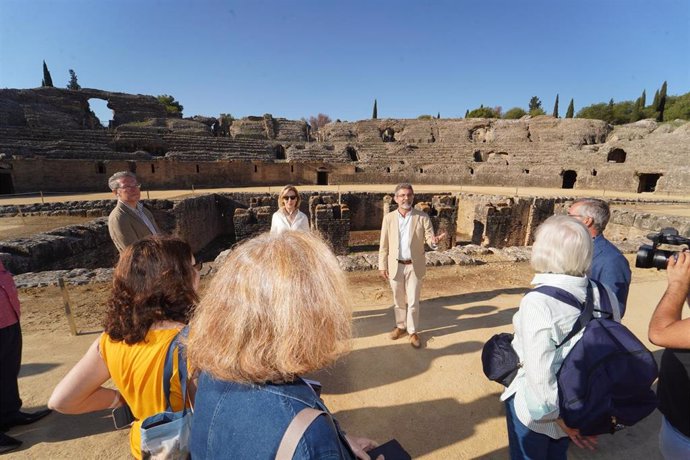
point(280, 222)
point(540, 323)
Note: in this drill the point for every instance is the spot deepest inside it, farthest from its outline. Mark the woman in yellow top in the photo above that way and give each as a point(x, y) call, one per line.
point(154, 291)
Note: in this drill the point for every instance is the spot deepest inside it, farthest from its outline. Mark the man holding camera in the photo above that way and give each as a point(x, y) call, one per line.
point(609, 265)
point(668, 329)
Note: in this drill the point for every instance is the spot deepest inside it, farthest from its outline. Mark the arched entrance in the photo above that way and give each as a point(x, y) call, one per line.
point(569, 179)
point(648, 182)
point(321, 177)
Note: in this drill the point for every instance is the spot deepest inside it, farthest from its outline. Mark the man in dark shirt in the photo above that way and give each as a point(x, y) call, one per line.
point(609, 265)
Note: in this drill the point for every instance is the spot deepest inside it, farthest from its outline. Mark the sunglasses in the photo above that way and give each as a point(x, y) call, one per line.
point(198, 266)
point(289, 197)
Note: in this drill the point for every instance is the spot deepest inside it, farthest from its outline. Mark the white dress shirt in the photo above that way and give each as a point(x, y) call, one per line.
point(404, 232)
point(540, 324)
point(280, 222)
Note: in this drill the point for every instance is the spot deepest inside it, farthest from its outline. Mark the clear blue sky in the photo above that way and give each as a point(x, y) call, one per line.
point(295, 59)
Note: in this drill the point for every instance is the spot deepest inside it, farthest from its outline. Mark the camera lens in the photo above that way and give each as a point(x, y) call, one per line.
point(645, 256)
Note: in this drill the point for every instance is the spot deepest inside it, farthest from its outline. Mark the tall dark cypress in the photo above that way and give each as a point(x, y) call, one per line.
point(555, 108)
point(47, 79)
point(375, 113)
point(571, 109)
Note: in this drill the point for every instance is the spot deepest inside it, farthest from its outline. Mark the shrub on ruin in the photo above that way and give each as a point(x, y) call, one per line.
point(515, 113)
point(73, 84)
point(172, 107)
point(482, 112)
point(677, 107)
point(424, 117)
point(319, 121)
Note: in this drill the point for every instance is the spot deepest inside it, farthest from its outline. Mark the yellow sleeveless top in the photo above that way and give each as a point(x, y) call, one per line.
point(137, 371)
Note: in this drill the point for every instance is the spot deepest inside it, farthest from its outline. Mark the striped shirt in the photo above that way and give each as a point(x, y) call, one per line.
point(540, 324)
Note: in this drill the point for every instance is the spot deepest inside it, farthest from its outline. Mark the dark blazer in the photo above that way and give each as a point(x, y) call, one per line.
point(126, 227)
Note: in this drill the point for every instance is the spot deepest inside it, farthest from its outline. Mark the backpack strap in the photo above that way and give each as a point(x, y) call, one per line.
point(584, 318)
point(181, 367)
point(298, 426)
point(587, 309)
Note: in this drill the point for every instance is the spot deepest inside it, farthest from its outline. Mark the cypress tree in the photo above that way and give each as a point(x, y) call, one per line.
point(467, 112)
point(438, 116)
point(643, 99)
point(375, 113)
point(637, 112)
point(662, 103)
point(571, 109)
point(47, 79)
point(655, 103)
point(555, 108)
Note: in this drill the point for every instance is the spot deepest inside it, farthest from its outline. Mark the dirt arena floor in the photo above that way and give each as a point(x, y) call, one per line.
point(435, 401)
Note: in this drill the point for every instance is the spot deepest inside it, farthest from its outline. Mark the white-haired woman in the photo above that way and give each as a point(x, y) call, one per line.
point(288, 216)
point(561, 255)
point(276, 309)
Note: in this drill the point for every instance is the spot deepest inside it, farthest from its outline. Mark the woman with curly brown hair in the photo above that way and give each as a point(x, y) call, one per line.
point(153, 294)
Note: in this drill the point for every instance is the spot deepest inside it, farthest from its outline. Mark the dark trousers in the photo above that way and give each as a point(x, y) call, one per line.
point(10, 362)
point(525, 444)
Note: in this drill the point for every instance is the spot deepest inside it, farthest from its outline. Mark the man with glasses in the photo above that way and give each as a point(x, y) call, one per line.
point(402, 262)
point(609, 265)
point(130, 221)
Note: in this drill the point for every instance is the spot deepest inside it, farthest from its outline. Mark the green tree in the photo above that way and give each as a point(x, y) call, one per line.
point(424, 117)
point(594, 112)
point(73, 84)
point(438, 116)
point(47, 79)
point(467, 113)
point(636, 114)
point(571, 109)
point(375, 112)
point(655, 102)
point(677, 107)
point(662, 102)
point(534, 103)
point(172, 107)
point(643, 99)
point(555, 108)
point(514, 114)
point(482, 112)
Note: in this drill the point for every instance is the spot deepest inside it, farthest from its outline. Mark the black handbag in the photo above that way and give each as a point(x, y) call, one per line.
point(499, 360)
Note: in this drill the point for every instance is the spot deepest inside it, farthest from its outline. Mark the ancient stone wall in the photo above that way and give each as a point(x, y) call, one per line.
point(331, 220)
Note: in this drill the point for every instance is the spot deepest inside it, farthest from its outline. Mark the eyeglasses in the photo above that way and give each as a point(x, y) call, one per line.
point(289, 197)
point(198, 266)
point(129, 187)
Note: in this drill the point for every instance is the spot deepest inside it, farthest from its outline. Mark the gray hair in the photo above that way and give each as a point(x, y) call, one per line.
point(113, 181)
point(597, 210)
point(562, 245)
point(402, 186)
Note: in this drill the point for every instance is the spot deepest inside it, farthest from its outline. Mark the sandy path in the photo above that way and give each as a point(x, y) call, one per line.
point(435, 401)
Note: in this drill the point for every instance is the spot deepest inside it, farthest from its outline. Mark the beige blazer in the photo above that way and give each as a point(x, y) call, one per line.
point(421, 231)
point(125, 226)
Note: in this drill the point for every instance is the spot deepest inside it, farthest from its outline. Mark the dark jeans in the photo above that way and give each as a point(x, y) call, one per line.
point(529, 445)
point(10, 362)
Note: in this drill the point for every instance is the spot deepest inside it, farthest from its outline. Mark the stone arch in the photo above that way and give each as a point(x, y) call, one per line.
point(569, 178)
point(478, 157)
point(6, 181)
point(648, 182)
point(525, 171)
point(471, 171)
point(100, 167)
point(98, 114)
point(280, 152)
point(616, 155)
point(352, 153)
point(388, 135)
point(132, 166)
point(594, 172)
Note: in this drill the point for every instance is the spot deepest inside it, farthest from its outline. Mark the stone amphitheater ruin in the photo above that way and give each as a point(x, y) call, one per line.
point(51, 141)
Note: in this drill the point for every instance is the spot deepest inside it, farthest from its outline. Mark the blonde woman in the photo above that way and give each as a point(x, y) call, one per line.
point(276, 309)
point(288, 216)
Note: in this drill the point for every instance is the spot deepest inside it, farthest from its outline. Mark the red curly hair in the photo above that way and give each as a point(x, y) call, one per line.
point(153, 281)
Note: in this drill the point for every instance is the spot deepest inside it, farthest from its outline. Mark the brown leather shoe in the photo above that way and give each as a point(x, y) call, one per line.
point(397, 333)
point(414, 340)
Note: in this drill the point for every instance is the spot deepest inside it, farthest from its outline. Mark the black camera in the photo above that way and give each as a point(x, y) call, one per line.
point(666, 243)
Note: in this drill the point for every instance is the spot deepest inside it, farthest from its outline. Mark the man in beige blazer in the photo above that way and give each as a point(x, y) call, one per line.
point(402, 262)
point(130, 221)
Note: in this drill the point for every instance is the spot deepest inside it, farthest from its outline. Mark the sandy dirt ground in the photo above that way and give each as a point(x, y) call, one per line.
point(435, 401)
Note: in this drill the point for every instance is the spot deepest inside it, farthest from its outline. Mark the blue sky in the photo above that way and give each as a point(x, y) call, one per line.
point(295, 59)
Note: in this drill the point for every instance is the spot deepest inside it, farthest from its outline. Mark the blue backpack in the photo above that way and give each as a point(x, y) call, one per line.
point(604, 383)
